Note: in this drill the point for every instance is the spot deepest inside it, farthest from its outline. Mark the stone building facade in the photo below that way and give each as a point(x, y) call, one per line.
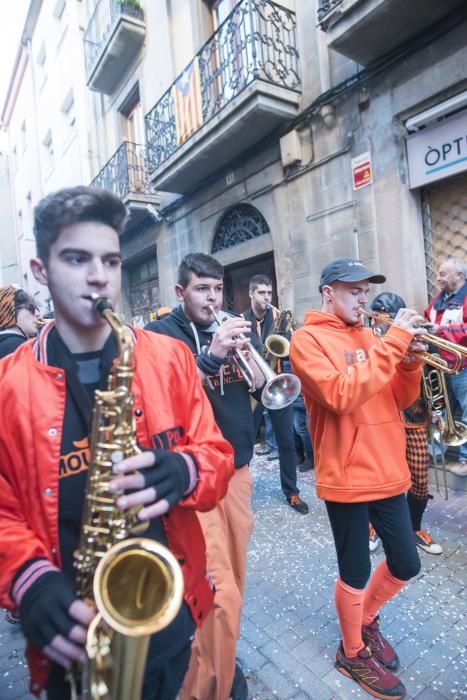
point(273, 136)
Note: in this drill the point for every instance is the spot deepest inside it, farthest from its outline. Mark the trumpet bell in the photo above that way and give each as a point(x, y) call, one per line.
point(277, 345)
point(280, 391)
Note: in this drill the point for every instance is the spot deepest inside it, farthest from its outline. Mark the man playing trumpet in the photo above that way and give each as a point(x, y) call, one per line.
point(213, 674)
point(354, 386)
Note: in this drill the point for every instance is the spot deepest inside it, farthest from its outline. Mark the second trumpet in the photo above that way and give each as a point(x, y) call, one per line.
point(280, 390)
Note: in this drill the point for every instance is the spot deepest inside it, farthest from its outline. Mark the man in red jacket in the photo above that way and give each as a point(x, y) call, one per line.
point(354, 386)
point(448, 313)
point(47, 397)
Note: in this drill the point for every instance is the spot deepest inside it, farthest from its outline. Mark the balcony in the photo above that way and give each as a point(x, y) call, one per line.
point(241, 85)
point(365, 30)
point(125, 174)
point(112, 41)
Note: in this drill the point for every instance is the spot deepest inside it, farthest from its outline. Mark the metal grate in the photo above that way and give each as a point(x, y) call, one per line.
point(103, 20)
point(257, 41)
point(239, 224)
point(125, 173)
point(444, 211)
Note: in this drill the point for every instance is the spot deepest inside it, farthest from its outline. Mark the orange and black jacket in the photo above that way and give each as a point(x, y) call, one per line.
point(167, 394)
point(354, 386)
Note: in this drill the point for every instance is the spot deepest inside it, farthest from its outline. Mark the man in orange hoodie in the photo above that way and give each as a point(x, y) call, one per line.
point(354, 386)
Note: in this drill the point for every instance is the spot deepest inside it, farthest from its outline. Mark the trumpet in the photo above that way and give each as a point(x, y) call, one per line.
point(433, 359)
point(280, 390)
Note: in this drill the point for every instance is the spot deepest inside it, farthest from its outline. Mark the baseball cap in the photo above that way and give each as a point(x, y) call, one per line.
point(347, 270)
point(388, 302)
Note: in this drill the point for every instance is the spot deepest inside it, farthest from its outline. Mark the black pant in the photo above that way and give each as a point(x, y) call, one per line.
point(161, 682)
point(282, 423)
point(391, 520)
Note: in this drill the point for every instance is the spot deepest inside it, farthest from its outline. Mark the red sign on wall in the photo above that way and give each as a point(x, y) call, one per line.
point(361, 171)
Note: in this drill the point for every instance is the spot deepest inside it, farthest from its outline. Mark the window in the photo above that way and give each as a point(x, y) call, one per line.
point(41, 68)
point(48, 152)
point(68, 110)
point(22, 137)
point(59, 9)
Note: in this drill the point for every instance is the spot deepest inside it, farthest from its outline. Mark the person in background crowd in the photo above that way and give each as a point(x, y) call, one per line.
point(303, 445)
point(18, 318)
point(448, 314)
point(214, 673)
point(18, 323)
point(415, 419)
point(48, 390)
point(261, 316)
point(354, 386)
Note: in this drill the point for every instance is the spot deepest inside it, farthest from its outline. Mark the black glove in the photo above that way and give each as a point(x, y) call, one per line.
point(169, 476)
point(44, 609)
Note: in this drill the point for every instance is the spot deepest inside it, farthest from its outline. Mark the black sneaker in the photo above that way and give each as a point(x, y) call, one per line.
point(370, 675)
point(261, 451)
point(239, 685)
point(272, 456)
point(297, 504)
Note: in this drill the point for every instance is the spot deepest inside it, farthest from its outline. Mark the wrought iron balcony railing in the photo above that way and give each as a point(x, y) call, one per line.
point(325, 7)
point(106, 14)
point(257, 41)
point(125, 173)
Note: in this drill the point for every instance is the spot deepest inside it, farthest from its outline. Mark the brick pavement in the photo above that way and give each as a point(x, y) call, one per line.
point(289, 631)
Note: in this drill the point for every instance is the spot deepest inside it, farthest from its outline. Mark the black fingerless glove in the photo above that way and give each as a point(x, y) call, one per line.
point(172, 476)
point(207, 362)
point(44, 609)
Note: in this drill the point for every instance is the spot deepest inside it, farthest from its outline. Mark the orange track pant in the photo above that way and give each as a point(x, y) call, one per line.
point(227, 530)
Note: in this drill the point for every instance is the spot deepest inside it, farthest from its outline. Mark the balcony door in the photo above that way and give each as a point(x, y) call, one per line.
point(227, 57)
point(133, 133)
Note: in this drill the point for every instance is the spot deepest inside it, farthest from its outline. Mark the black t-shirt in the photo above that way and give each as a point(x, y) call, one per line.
point(91, 372)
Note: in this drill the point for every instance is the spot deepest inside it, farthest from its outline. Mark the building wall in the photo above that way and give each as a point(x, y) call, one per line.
point(47, 120)
point(313, 213)
point(9, 270)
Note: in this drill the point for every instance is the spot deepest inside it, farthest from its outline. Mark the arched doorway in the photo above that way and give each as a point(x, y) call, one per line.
point(240, 228)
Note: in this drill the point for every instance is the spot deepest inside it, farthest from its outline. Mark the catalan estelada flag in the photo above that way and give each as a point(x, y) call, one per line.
point(187, 99)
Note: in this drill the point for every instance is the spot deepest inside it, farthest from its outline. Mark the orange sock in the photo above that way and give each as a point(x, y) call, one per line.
point(382, 587)
point(349, 606)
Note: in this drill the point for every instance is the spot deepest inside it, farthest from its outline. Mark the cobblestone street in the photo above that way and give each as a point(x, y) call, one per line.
point(289, 632)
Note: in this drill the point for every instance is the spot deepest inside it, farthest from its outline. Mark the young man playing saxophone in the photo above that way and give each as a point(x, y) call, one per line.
point(48, 391)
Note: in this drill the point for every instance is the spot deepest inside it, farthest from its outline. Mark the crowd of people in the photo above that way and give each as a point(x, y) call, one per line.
point(360, 423)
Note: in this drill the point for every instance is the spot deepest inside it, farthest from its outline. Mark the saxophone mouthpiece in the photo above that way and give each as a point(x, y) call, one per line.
point(101, 303)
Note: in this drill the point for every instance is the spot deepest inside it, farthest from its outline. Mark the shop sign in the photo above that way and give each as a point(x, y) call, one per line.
point(438, 151)
point(361, 171)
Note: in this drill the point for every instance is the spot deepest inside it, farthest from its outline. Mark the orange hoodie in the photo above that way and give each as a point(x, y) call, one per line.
point(354, 385)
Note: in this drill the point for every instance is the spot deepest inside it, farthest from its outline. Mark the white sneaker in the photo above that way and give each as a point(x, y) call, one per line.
point(424, 541)
point(373, 540)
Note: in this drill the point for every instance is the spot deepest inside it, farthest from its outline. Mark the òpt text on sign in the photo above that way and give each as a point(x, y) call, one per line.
point(362, 174)
point(438, 151)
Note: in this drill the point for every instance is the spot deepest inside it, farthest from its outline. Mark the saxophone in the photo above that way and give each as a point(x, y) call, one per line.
point(276, 345)
point(134, 583)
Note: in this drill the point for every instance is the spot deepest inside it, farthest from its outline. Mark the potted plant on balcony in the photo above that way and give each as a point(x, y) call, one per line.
point(129, 6)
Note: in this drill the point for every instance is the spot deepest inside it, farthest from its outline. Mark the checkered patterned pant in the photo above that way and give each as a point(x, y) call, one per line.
point(418, 460)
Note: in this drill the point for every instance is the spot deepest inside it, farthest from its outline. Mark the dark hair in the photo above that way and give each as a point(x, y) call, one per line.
point(22, 298)
point(200, 265)
point(256, 280)
point(73, 205)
